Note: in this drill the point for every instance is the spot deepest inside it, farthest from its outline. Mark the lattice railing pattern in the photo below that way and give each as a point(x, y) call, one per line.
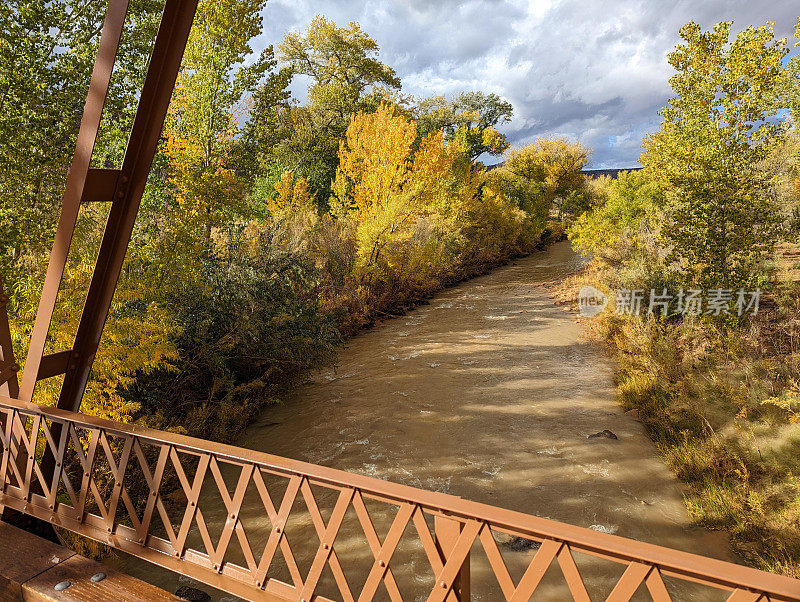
point(150, 493)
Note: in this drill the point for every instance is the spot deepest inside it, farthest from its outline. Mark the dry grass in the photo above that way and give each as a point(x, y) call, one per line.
point(722, 403)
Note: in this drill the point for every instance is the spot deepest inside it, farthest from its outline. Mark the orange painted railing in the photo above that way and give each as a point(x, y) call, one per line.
point(148, 493)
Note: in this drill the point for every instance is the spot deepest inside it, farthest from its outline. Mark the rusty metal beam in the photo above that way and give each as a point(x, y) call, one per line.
point(53, 365)
point(156, 94)
point(8, 364)
point(123, 188)
point(76, 184)
point(100, 185)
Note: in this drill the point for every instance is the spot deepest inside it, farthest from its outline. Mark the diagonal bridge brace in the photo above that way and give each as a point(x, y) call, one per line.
point(123, 188)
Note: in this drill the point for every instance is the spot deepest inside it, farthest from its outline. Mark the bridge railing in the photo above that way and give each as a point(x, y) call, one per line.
point(147, 493)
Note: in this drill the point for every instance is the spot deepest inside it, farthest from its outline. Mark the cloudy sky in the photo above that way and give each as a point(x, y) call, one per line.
point(591, 70)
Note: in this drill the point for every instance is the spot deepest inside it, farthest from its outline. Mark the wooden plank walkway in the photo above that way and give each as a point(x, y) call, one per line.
point(31, 567)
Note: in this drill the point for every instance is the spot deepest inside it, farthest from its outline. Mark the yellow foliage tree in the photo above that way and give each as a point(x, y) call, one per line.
point(133, 339)
point(291, 194)
point(406, 205)
point(414, 212)
point(545, 176)
point(203, 125)
point(294, 213)
point(208, 191)
point(373, 182)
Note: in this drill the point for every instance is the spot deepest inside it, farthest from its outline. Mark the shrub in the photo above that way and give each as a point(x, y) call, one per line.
point(249, 329)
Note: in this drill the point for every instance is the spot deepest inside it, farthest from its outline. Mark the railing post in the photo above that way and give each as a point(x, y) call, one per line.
point(447, 531)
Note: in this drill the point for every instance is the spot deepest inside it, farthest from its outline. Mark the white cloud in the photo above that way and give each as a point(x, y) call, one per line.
point(595, 71)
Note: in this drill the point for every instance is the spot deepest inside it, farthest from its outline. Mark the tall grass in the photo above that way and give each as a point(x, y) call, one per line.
point(699, 392)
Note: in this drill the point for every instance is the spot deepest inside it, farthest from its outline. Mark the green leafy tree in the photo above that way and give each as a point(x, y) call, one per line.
point(626, 223)
point(544, 178)
point(47, 51)
point(346, 78)
point(722, 123)
point(249, 328)
point(266, 125)
point(212, 97)
point(782, 170)
point(471, 115)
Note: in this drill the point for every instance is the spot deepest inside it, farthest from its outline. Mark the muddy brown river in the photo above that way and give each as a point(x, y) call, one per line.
point(489, 393)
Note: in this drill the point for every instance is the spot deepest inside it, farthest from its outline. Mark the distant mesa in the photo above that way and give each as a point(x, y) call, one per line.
point(613, 173)
point(592, 173)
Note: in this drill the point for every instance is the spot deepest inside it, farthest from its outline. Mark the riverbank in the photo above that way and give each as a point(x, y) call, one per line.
point(489, 392)
point(720, 404)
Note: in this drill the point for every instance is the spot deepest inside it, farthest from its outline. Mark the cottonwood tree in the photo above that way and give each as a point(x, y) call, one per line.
point(47, 50)
point(266, 125)
point(390, 191)
point(623, 227)
point(722, 123)
point(212, 98)
point(471, 115)
point(346, 78)
point(46, 55)
point(545, 176)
